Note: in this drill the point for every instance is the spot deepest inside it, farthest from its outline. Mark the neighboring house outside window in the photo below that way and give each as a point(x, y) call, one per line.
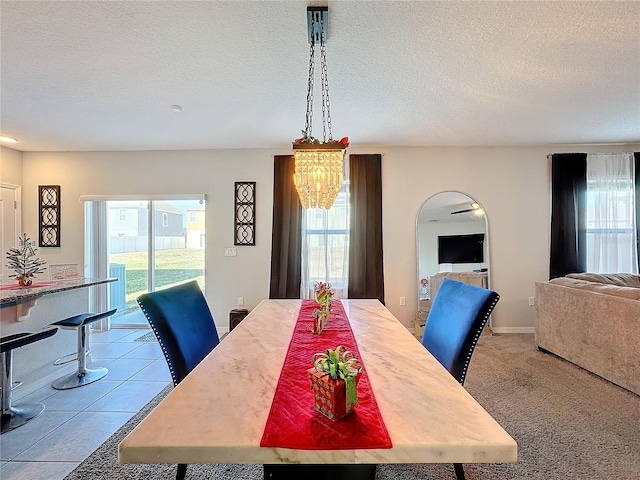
point(195, 227)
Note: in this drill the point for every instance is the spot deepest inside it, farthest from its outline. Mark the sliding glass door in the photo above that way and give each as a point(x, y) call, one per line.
point(150, 245)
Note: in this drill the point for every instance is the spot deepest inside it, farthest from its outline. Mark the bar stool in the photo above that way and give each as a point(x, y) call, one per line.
point(84, 375)
point(14, 417)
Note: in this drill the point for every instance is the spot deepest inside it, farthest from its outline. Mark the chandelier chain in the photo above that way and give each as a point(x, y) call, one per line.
point(326, 115)
point(308, 126)
point(324, 78)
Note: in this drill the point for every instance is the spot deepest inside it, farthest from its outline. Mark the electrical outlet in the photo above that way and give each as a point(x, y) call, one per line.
point(403, 301)
point(532, 301)
point(240, 301)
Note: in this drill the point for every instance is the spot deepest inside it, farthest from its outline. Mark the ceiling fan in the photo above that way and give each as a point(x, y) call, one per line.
point(474, 207)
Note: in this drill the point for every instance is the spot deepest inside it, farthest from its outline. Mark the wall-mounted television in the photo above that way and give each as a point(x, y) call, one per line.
point(461, 248)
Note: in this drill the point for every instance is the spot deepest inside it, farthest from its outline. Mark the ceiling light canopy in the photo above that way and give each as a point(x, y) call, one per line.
point(318, 163)
point(7, 139)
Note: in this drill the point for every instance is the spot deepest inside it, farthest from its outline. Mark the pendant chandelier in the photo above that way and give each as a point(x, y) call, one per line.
point(318, 163)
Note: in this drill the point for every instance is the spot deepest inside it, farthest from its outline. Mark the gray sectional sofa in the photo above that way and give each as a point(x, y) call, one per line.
point(593, 321)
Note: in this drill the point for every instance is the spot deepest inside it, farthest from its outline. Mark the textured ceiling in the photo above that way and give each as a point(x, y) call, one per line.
point(102, 75)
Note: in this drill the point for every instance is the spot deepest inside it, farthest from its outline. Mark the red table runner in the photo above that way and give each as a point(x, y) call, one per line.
point(33, 285)
point(293, 422)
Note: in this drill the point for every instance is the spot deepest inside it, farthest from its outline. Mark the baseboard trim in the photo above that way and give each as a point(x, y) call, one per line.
point(513, 329)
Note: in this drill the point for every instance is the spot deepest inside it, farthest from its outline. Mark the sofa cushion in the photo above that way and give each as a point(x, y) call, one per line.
point(620, 279)
point(608, 289)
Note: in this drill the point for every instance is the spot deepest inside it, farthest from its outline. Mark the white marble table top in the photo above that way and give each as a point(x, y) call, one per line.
point(217, 413)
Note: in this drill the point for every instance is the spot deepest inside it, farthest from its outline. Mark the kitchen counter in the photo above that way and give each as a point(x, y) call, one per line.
point(11, 296)
point(24, 298)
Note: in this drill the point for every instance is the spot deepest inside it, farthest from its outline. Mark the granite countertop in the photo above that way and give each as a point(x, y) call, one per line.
point(11, 296)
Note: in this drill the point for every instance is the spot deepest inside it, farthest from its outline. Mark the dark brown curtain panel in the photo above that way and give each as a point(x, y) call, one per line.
point(568, 214)
point(636, 156)
point(366, 279)
point(286, 243)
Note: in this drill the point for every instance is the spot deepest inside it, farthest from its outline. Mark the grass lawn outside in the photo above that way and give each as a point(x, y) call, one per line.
point(172, 267)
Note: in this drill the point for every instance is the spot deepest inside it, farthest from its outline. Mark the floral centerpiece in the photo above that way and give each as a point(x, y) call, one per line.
point(324, 293)
point(334, 379)
point(308, 140)
point(21, 261)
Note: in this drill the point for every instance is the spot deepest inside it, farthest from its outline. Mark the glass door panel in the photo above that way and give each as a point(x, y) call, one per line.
point(152, 245)
point(179, 243)
point(128, 235)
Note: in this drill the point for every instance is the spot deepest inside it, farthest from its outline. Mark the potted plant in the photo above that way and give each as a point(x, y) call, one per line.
point(21, 261)
point(334, 380)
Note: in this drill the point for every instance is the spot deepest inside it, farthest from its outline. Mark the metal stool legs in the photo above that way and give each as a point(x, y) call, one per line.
point(182, 471)
point(14, 417)
point(84, 375)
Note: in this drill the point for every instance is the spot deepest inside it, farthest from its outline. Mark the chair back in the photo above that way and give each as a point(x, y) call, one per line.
point(183, 324)
point(456, 319)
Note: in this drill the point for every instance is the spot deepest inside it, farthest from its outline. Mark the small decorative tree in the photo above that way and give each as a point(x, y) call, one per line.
point(22, 262)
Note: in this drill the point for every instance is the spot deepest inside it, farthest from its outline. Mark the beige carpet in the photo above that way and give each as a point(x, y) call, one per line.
point(568, 423)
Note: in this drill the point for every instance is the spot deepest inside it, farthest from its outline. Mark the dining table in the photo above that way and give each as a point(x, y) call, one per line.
point(221, 411)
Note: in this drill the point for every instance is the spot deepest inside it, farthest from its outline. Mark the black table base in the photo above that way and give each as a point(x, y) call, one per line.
point(319, 472)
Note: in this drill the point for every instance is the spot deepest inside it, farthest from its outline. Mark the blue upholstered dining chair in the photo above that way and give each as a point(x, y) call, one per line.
point(184, 327)
point(455, 322)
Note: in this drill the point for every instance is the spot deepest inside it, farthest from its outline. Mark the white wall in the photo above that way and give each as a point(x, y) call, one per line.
point(209, 172)
point(10, 166)
point(34, 362)
point(511, 183)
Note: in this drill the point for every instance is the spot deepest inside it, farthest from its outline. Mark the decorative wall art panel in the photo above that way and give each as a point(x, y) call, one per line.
point(245, 213)
point(49, 215)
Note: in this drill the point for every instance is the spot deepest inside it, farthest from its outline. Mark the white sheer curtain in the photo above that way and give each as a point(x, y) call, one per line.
point(611, 229)
point(96, 257)
point(325, 245)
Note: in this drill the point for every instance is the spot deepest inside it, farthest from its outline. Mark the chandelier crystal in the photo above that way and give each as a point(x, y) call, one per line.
point(318, 164)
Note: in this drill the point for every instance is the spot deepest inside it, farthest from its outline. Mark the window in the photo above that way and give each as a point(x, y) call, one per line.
point(610, 202)
point(193, 217)
point(123, 215)
point(325, 244)
point(140, 262)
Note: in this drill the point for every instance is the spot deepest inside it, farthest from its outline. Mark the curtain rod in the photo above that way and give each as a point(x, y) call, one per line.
point(142, 197)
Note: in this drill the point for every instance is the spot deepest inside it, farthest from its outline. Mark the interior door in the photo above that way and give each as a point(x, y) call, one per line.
point(10, 221)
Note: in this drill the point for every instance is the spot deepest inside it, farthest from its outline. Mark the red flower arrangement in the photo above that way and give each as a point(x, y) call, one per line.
point(307, 140)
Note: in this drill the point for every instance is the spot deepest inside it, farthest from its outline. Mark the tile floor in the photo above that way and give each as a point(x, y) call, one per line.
point(77, 421)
